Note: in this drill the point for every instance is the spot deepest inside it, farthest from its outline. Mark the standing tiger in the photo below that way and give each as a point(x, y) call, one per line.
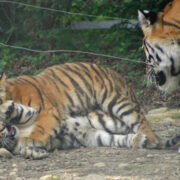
point(72, 105)
point(162, 45)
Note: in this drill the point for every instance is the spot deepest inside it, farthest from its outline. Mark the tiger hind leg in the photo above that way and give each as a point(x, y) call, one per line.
point(129, 112)
point(103, 138)
point(90, 131)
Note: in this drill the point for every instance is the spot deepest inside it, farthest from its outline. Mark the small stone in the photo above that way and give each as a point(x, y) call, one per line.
point(150, 155)
point(179, 149)
point(12, 173)
point(99, 164)
point(14, 165)
point(48, 177)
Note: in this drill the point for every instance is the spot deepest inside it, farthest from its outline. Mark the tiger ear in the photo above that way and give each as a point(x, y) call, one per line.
point(2, 79)
point(146, 20)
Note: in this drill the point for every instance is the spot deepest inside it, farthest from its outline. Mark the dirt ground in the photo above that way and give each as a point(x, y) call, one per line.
point(110, 163)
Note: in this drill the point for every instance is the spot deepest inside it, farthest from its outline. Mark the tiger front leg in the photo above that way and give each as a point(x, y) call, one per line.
point(18, 114)
point(40, 140)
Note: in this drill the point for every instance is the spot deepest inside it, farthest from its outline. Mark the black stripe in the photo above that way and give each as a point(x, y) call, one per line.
point(53, 81)
point(150, 58)
point(80, 99)
point(27, 119)
point(104, 71)
point(122, 106)
point(173, 70)
point(58, 78)
point(37, 89)
point(84, 67)
point(55, 133)
point(99, 141)
point(81, 77)
point(133, 125)
point(150, 47)
point(111, 104)
point(159, 48)
point(104, 96)
point(10, 83)
point(75, 84)
point(96, 71)
point(91, 123)
point(158, 58)
point(166, 23)
point(41, 129)
point(29, 102)
point(112, 141)
point(69, 98)
point(57, 118)
point(17, 119)
point(126, 113)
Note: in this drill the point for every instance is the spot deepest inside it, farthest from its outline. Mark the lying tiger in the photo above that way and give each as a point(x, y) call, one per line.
point(72, 105)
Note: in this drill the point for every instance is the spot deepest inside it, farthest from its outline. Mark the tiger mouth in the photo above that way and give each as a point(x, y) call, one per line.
point(11, 131)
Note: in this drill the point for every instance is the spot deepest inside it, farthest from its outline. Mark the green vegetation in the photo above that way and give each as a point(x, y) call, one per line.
point(47, 30)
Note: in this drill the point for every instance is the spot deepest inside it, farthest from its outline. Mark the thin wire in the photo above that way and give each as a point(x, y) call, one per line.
point(61, 11)
point(70, 51)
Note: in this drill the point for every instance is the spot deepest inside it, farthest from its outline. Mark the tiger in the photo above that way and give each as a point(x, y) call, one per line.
point(161, 45)
point(69, 106)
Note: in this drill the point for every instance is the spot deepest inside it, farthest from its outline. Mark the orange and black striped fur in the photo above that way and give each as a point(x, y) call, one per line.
point(71, 105)
point(162, 45)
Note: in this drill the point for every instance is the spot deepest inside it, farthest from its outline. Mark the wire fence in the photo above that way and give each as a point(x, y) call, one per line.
point(70, 51)
point(61, 11)
point(65, 50)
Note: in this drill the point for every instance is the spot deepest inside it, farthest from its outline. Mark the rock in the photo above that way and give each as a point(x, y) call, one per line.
point(159, 110)
point(5, 153)
point(150, 156)
point(49, 177)
point(99, 164)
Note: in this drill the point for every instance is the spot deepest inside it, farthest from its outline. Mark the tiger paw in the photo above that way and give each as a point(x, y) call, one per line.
point(140, 141)
point(6, 109)
point(33, 152)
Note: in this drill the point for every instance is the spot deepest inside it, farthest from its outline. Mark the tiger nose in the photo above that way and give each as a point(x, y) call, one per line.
point(160, 78)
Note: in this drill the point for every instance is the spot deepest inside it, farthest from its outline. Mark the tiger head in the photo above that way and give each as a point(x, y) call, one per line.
point(161, 44)
point(8, 136)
